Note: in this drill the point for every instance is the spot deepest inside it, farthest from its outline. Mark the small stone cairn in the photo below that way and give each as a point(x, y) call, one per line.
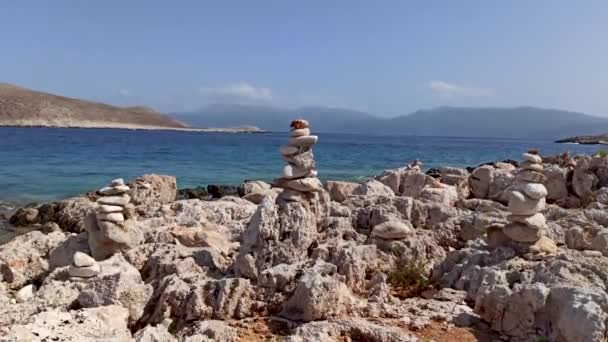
point(83, 267)
point(527, 199)
point(113, 203)
point(299, 179)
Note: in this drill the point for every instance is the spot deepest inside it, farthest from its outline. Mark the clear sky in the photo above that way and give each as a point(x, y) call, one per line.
point(385, 57)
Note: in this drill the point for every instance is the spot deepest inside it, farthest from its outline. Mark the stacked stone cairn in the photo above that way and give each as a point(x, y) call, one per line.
point(299, 179)
point(527, 199)
point(112, 227)
point(83, 267)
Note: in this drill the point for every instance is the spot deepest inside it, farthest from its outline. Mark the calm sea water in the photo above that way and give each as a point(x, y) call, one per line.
point(43, 164)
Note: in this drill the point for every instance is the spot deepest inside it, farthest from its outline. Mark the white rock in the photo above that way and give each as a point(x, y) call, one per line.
point(520, 204)
point(291, 171)
point(117, 182)
point(114, 190)
point(84, 272)
point(528, 165)
point(105, 208)
point(534, 158)
point(535, 190)
point(288, 150)
point(392, 230)
point(304, 141)
point(115, 200)
point(302, 132)
point(83, 260)
point(26, 293)
point(112, 217)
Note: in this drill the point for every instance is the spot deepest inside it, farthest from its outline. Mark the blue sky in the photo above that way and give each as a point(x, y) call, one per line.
point(385, 57)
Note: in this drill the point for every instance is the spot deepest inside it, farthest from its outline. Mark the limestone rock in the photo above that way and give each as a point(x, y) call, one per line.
point(535, 190)
point(373, 188)
point(209, 331)
point(480, 180)
point(392, 230)
point(556, 182)
point(106, 238)
point(85, 271)
point(210, 235)
point(151, 191)
point(339, 191)
point(536, 221)
point(251, 187)
point(26, 293)
point(521, 232)
point(83, 260)
point(447, 195)
point(520, 204)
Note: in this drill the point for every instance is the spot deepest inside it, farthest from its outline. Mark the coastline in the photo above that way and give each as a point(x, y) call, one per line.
point(105, 125)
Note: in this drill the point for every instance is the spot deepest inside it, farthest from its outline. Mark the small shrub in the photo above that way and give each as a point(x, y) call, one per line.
point(601, 153)
point(409, 279)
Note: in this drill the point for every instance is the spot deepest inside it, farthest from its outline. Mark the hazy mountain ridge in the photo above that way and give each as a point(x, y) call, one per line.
point(518, 122)
point(24, 107)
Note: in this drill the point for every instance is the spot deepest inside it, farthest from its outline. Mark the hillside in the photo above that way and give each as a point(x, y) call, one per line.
point(520, 122)
point(24, 107)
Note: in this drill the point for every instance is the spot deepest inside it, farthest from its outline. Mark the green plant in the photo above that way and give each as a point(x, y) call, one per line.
point(542, 339)
point(409, 279)
point(601, 153)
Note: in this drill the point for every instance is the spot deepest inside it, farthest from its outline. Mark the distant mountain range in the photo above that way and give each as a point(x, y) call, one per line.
point(519, 122)
point(24, 107)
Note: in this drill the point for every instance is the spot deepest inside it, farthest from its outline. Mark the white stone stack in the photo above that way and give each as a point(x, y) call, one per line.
point(299, 179)
point(83, 267)
point(527, 199)
point(112, 204)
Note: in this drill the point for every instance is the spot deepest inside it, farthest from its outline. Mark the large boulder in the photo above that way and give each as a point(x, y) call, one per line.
point(319, 295)
point(457, 177)
point(68, 214)
point(149, 192)
point(373, 188)
point(446, 195)
point(251, 187)
point(24, 259)
point(339, 191)
point(480, 180)
point(107, 238)
point(556, 182)
point(584, 181)
point(119, 283)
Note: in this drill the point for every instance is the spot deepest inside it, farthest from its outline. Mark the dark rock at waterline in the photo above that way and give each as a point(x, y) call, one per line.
point(434, 172)
point(68, 214)
point(219, 191)
point(194, 193)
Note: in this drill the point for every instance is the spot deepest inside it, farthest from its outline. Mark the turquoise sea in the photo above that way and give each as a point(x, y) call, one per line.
point(44, 164)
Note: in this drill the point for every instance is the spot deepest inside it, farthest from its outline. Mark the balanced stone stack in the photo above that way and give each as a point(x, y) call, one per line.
point(299, 179)
point(83, 267)
point(112, 204)
point(527, 199)
point(112, 227)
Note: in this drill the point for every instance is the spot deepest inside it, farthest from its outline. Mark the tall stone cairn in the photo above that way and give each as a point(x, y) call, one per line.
point(299, 178)
point(527, 199)
point(112, 228)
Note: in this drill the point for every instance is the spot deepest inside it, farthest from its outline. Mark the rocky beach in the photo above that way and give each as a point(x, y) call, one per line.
point(507, 251)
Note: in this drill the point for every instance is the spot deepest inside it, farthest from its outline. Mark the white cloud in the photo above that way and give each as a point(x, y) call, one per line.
point(450, 90)
point(237, 92)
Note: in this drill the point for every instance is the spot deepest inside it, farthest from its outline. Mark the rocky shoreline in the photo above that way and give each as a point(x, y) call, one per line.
point(450, 254)
point(601, 139)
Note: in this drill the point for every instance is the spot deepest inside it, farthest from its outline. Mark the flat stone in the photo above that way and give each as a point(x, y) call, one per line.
point(531, 176)
point(392, 230)
point(528, 165)
point(292, 171)
point(303, 159)
point(535, 190)
point(112, 217)
point(592, 253)
point(83, 260)
point(105, 208)
point(292, 195)
point(305, 141)
point(534, 158)
point(302, 132)
point(521, 233)
point(84, 272)
point(117, 182)
point(520, 204)
point(536, 221)
point(115, 200)
point(114, 190)
point(299, 123)
point(288, 150)
point(304, 185)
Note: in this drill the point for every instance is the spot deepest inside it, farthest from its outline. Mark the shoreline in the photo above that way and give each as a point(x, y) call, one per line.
point(142, 127)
